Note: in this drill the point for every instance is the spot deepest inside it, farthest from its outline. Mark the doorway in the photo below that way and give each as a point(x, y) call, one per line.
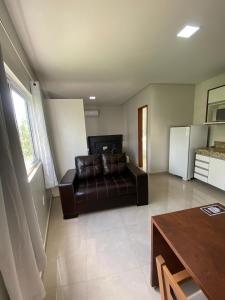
point(142, 137)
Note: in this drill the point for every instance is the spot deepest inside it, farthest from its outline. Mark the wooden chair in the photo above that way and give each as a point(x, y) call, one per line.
point(169, 284)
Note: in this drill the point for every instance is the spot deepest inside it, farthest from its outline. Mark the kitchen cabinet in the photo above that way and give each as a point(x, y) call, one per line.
point(210, 170)
point(216, 105)
point(201, 167)
point(216, 175)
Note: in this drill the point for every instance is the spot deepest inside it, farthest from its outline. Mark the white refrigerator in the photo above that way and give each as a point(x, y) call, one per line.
point(183, 143)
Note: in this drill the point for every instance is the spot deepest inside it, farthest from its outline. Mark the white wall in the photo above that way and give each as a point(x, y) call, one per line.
point(41, 199)
point(130, 109)
point(9, 55)
point(217, 132)
point(68, 133)
point(168, 105)
point(3, 291)
point(110, 120)
point(20, 69)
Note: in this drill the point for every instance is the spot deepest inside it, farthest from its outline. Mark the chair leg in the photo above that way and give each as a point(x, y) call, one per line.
point(160, 262)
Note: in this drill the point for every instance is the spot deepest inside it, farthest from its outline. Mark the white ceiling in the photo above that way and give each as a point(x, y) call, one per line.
point(114, 48)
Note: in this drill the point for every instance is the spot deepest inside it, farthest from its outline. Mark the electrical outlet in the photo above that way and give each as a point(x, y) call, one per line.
point(43, 200)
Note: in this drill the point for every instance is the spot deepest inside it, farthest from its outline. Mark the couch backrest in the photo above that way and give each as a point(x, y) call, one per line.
point(114, 163)
point(88, 166)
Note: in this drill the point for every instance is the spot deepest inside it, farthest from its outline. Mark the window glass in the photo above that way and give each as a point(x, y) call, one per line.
point(24, 129)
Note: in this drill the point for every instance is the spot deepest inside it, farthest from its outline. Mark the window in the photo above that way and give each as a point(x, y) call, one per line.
point(24, 128)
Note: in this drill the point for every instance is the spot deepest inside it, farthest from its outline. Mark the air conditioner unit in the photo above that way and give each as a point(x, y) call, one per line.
point(91, 113)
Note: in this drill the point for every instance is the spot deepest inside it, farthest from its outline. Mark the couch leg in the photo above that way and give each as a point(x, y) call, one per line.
point(141, 204)
point(71, 216)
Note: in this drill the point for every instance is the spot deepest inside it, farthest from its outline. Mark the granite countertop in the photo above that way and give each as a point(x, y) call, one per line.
point(212, 152)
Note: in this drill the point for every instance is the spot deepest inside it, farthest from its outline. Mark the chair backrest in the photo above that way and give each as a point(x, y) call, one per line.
point(169, 283)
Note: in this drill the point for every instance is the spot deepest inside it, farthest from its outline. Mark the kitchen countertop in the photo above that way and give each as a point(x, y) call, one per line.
point(212, 152)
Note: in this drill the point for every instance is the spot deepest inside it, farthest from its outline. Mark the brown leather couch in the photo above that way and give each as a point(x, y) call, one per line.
point(100, 182)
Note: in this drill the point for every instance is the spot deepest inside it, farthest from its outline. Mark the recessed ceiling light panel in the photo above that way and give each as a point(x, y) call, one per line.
point(188, 31)
point(92, 97)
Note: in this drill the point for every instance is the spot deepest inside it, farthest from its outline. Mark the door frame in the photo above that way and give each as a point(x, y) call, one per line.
point(140, 144)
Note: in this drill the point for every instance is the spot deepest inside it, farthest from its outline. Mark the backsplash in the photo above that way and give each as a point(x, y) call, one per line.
point(216, 133)
point(219, 144)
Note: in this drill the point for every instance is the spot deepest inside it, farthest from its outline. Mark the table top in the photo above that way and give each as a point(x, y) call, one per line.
point(198, 240)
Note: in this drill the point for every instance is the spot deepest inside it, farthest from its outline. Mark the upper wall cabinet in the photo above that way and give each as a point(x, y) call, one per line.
point(216, 106)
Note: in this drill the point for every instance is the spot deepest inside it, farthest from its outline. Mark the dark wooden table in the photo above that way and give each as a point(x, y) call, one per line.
point(192, 240)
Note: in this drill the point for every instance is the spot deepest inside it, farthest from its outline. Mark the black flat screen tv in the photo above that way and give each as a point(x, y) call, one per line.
point(105, 144)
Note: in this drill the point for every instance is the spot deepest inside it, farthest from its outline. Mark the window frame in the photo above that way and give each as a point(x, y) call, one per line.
point(20, 89)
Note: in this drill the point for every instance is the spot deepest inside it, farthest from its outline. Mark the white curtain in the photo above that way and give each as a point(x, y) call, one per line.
point(41, 137)
point(22, 256)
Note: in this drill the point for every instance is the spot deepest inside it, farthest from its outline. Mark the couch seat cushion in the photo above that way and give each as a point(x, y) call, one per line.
point(105, 187)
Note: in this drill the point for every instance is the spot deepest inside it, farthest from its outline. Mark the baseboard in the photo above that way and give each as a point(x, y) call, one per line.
point(47, 224)
point(158, 173)
point(46, 229)
point(55, 192)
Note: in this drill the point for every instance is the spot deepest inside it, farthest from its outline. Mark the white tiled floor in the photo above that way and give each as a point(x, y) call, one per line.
point(106, 255)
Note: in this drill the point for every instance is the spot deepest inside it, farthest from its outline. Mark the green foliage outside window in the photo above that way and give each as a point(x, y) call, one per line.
point(26, 142)
point(24, 130)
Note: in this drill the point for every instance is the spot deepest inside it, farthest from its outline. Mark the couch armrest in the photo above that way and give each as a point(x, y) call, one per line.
point(66, 190)
point(141, 179)
point(68, 178)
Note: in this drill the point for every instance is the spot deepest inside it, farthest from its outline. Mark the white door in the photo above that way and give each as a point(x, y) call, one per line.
point(142, 137)
point(217, 173)
point(179, 147)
